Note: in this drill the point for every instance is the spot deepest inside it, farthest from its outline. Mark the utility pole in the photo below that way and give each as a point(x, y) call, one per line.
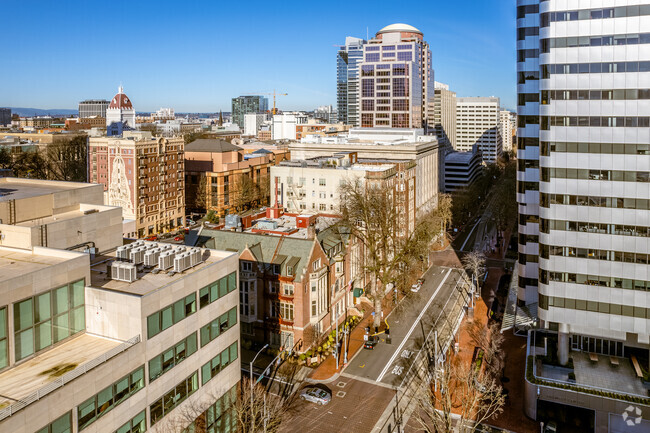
point(251, 379)
point(336, 338)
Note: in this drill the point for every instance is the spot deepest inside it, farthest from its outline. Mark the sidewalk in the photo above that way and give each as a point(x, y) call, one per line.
point(327, 369)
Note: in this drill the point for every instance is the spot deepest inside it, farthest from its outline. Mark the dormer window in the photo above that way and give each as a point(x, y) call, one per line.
point(246, 266)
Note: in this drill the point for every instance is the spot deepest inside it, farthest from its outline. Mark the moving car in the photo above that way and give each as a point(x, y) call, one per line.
point(316, 395)
point(370, 343)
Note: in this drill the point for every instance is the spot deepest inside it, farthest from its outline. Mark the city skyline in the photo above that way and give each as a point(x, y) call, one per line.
point(182, 59)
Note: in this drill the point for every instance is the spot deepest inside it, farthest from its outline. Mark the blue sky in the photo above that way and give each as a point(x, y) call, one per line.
point(196, 55)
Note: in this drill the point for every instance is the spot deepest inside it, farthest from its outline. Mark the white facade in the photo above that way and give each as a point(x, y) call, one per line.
point(284, 125)
point(507, 124)
point(477, 122)
point(590, 162)
point(347, 80)
point(120, 110)
point(252, 123)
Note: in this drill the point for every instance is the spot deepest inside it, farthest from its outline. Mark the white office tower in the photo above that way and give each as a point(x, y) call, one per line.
point(590, 163)
point(347, 80)
point(477, 122)
point(507, 125)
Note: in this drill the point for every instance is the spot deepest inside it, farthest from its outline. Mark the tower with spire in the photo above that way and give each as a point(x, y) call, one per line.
point(120, 112)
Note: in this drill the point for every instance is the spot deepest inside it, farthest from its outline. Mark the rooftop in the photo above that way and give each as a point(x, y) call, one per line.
point(12, 188)
point(399, 27)
point(22, 380)
point(213, 145)
point(147, 281)
point(15, 263)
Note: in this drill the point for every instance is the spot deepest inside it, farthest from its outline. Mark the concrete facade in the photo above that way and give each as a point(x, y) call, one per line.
point(477, 122)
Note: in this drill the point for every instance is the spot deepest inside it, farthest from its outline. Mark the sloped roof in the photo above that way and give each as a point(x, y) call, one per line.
point(213, 145)
point(264, 248)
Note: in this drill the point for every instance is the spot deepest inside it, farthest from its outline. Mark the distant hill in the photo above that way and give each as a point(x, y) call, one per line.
point(26, 112)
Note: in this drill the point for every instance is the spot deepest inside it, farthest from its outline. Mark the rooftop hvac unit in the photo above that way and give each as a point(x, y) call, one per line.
point(138, 244)
point(182, 262)
point(124, 272)
point(179, 250)
point(123, 252)
point(195, 256)
point(137, 255)
point(165, 247)
point(151, 257)
point(166, 260)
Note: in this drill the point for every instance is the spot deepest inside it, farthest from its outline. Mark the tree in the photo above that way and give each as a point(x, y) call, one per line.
point(444, 212)
point(243, 192)
point(201, 194)
point(31, 164)
point(372, 215)
point(475, 262)
point(67, 159)
point(257, 410)
point(191, 136)
point(505, 202)
point(463, 394)
point(6, 160)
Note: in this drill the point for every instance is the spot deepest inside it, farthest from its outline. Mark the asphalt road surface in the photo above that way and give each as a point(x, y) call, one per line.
point(409, 324)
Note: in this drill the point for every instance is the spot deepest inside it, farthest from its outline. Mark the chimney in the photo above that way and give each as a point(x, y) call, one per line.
point(311, 231)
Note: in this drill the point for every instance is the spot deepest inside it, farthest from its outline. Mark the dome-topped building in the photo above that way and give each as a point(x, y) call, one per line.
point(120, 110)
point(404, 30)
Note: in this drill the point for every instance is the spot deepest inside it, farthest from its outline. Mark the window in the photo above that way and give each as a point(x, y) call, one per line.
point(109, 397)
point(313, 307)
point(287, 289)
point(322, 182)
point(46, 319)
point(173, 398)
point(218, 326)
point(217, 289)
point(60, 425)
point(219, 417)
point(316, 264)
point(215, 365)
point(246, 298)
point(286, 311)
point(170, 315)
point(137, 424)
point(171, 357)
point(246, 266)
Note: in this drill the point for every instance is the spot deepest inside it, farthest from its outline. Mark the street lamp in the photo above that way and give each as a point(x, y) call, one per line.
point(251, 379)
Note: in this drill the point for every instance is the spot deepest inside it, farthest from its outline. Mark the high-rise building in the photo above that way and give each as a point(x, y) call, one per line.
point(507, 125)
point(92, 338)
point(145, 176)
point(584, 198)
point(477, 122)
point(284, 125)
point(5, 116)
point(92, 108)
point(347, 80)
point(396, 79)
point(252, 123)
point(242, 105)
point(119, 113)
point(442, 114)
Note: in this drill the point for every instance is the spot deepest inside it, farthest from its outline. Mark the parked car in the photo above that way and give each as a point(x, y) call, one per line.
point(179, 238)
point(316, 395)
point(370, 343)
point(151, 238)
point(416, 287)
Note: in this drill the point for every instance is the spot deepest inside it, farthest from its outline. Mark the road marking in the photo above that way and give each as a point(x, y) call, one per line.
point(362, 365)
point(408, 334)
point(469, 235)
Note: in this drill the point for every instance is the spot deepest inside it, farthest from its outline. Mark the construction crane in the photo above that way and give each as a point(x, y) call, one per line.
point(274, 94)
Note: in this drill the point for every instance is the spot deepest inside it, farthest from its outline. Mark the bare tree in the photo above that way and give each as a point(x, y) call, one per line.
point(257, 410)
point(67, 159)
point(201, 194)
point(243, 192)
point(475, 262)
point(373, 216)
point(463, 394)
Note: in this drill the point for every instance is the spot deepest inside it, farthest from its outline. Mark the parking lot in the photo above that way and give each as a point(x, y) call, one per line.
point(355, 407)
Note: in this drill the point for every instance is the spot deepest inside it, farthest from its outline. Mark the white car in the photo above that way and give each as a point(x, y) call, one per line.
point(417, 286)
point(316, 395)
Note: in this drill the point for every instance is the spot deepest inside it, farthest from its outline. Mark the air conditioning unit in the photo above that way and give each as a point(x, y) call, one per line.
point(137, 255)
point(123, 252)
point(182, 262)
point(195, 256)
point(124, 272)
point(151, 257)
point(166, 260)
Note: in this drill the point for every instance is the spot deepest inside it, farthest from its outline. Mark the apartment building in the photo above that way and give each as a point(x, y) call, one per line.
point(477, 122)
point(253, 122)
point(243, 105)
point(347, 80)
point(284, 126)
point(314, 185)
point(384, 144)
point(143, 175)
point(396, 79)
point(294, 283)
point(99, 339)
point(586, 173)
